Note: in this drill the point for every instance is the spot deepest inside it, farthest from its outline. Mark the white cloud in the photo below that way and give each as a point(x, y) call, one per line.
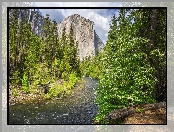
point(100, 17)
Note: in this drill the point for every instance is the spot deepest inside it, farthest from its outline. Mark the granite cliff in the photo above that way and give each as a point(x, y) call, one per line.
point(84, 34)
point(83, 31)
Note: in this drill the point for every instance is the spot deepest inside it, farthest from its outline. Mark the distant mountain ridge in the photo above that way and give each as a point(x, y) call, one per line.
point(83, 31)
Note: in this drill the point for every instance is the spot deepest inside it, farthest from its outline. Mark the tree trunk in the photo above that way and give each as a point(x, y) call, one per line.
point(154, 20)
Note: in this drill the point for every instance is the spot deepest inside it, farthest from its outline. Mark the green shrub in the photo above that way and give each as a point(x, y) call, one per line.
point(25, 83)
point(15, 93)
point(127, 75)
point(72, 79)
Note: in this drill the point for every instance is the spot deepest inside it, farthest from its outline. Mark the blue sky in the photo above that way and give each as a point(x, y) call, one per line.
point(101, 17)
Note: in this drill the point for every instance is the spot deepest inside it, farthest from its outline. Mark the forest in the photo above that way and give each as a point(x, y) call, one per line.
point(131, 70)
point(38, 60)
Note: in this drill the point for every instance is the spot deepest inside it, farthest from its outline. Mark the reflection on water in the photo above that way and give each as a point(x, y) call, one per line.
point(79, 108)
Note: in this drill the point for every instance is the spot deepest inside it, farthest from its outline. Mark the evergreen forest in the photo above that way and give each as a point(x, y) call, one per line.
point(38, 60)
point(131, 69)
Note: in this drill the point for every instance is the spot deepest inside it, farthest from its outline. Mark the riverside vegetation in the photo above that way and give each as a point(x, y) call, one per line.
point(131, 69)
point(37, 60)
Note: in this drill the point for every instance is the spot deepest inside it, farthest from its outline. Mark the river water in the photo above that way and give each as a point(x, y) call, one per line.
point(78, 108)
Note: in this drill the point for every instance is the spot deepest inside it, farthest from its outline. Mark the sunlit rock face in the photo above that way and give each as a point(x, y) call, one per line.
point(88, 41)
point(83, 31)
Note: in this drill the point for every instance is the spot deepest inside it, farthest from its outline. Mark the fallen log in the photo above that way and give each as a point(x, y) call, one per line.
point(119, 114)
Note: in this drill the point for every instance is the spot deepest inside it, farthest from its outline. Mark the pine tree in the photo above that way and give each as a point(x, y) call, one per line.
point(20, 32)
point(74, 59)
point(13, 26)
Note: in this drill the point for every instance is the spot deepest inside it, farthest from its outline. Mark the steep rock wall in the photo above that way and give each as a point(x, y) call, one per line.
point(98, 43)
point(83, 34)
point(36, 20)
point(83, 31)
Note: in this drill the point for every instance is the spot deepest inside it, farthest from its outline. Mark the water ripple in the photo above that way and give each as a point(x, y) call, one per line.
point(79, 108)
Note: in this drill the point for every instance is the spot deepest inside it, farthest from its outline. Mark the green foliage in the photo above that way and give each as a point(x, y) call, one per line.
point(41, 58)
point(92, 67)
point(72, 79)
point(25, 84)
point(53, 92)
point(15, 93)
point(128, 75)
point(132, 68)
point(140, 110)
point(14, 78)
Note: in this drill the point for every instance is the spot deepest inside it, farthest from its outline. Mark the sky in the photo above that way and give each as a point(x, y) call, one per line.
point(100, 17)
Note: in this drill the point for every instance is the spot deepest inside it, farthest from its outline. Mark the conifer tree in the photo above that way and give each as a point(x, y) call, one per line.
point(154, 21)
point(74, 59)
point(13, 26)
point(20, 32)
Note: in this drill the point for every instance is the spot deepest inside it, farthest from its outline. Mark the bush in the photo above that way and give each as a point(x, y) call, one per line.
point(25, 83)
point(127, 75)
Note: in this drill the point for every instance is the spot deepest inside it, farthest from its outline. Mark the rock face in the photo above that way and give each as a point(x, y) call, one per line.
point(98, 43)
point(88, 41)
point(36, 20)
point(83, 31)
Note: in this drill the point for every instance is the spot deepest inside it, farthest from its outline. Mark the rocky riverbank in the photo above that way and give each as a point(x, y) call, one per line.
point(17, 96)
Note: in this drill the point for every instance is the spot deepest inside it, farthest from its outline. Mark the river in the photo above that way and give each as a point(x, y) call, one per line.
point(78, 108)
